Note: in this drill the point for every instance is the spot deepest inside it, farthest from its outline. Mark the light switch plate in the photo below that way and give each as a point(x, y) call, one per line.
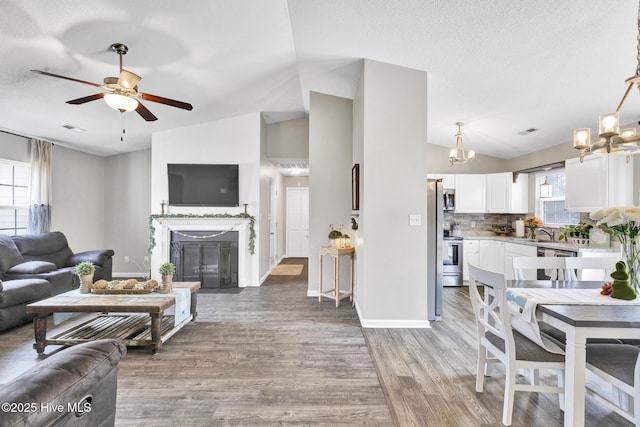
point(415, 220)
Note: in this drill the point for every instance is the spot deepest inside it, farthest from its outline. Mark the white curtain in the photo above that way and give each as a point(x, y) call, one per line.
point(40, 203)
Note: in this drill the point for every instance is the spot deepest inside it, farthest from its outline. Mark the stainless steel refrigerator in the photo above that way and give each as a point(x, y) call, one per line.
point(435, 249)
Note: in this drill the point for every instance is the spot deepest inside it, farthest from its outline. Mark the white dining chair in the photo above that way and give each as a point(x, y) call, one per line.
point(526, 267)
point(619, 365)
point(499, 343)
point(587, 268)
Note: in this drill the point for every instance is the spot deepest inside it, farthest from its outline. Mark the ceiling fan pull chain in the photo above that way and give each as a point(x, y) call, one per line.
point(122, 126)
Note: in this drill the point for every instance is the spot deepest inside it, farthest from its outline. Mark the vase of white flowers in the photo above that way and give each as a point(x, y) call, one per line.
point(623, 222)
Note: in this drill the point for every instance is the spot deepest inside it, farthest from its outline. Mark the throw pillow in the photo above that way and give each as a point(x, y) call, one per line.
point(9, 253)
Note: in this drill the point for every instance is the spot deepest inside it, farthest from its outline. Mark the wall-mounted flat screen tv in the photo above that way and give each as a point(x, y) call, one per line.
point(203, 185)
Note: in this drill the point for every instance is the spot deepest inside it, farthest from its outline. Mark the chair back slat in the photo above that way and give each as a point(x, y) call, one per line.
point(605, 264)
point(554, 266)
point(490, 309)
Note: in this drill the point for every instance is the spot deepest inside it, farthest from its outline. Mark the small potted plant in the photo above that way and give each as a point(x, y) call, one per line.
point(85, 271)
point(166, 270)
point(576, 233)
point(334, 236)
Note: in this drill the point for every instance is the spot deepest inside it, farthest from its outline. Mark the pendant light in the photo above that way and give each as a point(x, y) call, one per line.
point(545, 187)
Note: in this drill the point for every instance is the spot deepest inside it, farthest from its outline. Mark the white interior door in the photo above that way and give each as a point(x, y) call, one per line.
point(297, 222)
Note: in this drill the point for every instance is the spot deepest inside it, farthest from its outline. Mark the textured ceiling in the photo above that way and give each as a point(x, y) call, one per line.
point(499, 66)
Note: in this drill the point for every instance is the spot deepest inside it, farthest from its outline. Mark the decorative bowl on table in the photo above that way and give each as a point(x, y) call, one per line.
point(127, 286)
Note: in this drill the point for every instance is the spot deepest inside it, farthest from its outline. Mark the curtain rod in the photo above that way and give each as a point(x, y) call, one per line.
point(24, 136)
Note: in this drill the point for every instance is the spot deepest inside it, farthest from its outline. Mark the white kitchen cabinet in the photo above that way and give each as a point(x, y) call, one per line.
point(512, 250)
point(491, 255)
point(470, 193)
point(506, 196)
point(470, 253)
point(448, 179)
point(520, 194)
point(498, 256)
point(499, 192)
point(598, 182)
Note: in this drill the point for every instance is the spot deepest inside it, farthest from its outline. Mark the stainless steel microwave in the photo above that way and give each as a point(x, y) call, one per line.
point(449, 202)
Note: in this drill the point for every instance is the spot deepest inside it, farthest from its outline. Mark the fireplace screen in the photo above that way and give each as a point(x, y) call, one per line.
point(213, 261)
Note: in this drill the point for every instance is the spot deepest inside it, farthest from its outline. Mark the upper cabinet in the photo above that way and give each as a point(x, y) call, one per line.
point(506, 196)
point(470, 193)
point(598, 182)
point(494, 193)
point(448, 179)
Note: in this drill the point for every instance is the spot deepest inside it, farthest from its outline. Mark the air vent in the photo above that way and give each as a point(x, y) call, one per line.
point(528, 131)
point(293, 165)
point(74, 128)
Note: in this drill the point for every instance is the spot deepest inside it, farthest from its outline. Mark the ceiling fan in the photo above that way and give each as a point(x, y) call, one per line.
point(122, 92)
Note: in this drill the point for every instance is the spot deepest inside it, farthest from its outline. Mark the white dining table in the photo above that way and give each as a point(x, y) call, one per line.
point(579, 323)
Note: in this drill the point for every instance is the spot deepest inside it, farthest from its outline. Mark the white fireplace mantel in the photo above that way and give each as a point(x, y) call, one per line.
point(247, 273)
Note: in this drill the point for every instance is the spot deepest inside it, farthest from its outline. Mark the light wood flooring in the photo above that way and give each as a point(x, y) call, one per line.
point(271, 356)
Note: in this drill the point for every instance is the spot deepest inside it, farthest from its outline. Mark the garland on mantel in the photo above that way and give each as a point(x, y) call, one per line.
point(159, 217)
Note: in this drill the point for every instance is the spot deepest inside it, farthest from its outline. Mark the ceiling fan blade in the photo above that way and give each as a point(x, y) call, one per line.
point(128, 79)
point(145, 113)
point(166, 101)
point(65, 77)
point(86, 99)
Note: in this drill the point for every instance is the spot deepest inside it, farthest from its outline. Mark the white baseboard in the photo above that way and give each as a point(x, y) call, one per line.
point(393, 324)
point(382, 323)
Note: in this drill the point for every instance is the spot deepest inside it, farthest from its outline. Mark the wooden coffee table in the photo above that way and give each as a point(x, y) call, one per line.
point(149, 328)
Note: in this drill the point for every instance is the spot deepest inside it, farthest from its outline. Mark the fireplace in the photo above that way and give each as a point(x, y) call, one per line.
point(210, 257)
point(164, 227)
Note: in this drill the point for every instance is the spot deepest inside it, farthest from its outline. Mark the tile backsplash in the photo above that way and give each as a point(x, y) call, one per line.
point(482, 224)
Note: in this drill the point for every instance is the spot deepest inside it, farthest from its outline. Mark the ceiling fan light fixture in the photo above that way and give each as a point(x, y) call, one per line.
point(120, 102)
point(128, 79)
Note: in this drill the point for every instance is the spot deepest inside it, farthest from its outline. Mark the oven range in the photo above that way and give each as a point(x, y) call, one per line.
point(452, 261)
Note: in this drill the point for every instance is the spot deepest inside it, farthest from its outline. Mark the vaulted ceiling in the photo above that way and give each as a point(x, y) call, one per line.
point(499, 66)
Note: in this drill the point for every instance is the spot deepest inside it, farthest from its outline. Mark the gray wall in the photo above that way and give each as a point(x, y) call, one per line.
point(77, 194)
point(289, 139)
point(14, 148)
point(127, 209)
point(438, 160)
point(330, 162)
point(268, 174)
point(78, 198)
point(392, 274)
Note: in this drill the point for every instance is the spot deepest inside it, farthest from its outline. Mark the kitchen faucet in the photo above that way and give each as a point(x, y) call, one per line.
point(552, 238)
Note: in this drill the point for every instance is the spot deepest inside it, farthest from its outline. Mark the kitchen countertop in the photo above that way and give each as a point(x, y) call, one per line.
point(543, 243)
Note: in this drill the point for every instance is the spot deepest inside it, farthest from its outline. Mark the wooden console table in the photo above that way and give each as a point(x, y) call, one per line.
point(335, 293)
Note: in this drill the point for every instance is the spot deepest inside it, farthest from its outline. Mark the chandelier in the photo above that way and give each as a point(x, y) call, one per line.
point(613, 140)
point(457, 155)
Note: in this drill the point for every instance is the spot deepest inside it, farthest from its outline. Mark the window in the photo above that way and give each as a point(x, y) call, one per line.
point(551, 209)
point(14, 197)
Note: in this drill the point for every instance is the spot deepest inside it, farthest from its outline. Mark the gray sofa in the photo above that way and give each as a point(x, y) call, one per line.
point(38, 266)
point(75, 387)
